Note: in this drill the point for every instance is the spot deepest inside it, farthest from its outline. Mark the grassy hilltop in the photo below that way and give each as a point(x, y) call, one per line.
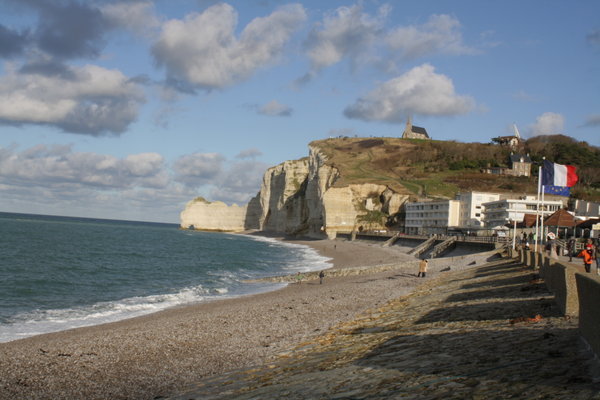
point(443, 168)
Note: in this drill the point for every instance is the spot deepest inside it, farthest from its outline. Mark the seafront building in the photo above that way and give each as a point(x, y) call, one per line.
point(506, 211)
point(585, 209)
point(471, 208)
point(474, 211)
point(431, 217)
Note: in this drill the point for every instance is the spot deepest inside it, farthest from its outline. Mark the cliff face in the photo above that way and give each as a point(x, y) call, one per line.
point(299, 197)
point(215, 216)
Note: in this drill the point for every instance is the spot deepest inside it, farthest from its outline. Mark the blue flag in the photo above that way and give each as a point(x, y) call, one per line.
point(558, 190)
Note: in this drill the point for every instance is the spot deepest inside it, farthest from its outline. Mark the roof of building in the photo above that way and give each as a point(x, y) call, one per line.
point(587, 224)
point(561, 218)
point(518, 157)
point(419, 130)
point(528, 221)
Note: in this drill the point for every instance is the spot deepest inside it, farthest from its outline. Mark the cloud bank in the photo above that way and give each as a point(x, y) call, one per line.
point(549, 123)
point(43, 176)
point(439, 35)
point(87, 100)
point(203, 51)
point(420, 91)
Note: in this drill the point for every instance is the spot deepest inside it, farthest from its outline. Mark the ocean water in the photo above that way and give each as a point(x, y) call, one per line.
point(58, 273)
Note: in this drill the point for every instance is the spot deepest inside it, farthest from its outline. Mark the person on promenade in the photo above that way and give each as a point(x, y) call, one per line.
point(587, 258)
point(551, 245)
point(596, 245)
point(591, 245)
point(321, 276)
point(422, 268)
point(571, 247)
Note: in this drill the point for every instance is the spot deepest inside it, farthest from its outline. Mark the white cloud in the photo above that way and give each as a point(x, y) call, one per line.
point(440, 34)
point(61, 167)
point(199, 168)
point(137, 16)
point(592, 120)
point(249, 154)
point(348, 32)
point(419, 91)
point(275, 109)
point(524, 96)
point(229, 182)
point(57, 180)
point(89, 100)
point(203, 51)
point(240, 182)
point(594, 38)
point(548, 123)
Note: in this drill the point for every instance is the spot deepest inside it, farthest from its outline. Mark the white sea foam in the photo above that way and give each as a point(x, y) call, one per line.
point(310, 259)
point(45, 321)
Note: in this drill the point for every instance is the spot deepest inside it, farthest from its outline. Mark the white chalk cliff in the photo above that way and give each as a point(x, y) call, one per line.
point(300, 197)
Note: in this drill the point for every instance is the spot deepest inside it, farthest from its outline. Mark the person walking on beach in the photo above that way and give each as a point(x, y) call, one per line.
point(321, 276)
point(422, 268)
point(299, 278)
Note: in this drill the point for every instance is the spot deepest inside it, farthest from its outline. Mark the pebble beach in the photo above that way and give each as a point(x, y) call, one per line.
point(478, 327)
point(163, 353)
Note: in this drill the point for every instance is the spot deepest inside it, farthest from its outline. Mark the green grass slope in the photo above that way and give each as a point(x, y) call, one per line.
point(443, 168)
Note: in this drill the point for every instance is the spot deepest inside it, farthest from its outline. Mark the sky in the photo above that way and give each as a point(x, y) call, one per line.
point(129, 109)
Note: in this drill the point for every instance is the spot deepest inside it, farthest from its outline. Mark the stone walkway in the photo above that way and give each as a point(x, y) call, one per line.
point(490, 332)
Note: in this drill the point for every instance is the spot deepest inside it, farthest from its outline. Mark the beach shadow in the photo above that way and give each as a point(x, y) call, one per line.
point(403, 275)
point(520, 356)
point(497, 310)
point(526, 290)
point(498, 269)
point(516, 280)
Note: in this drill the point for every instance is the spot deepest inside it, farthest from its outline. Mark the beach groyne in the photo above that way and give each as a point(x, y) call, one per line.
point(576, 292)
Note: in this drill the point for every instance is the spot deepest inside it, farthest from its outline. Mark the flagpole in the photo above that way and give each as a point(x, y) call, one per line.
point(514, 234)
point(537, 213)
point(543, 191)
point(542, 235)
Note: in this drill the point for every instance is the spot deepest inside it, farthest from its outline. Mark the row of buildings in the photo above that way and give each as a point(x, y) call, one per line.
point(482, 211)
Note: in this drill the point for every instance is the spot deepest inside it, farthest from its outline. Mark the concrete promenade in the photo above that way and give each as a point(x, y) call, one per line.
point(487, 332)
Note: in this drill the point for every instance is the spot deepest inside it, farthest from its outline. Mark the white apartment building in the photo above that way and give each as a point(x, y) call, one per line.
point(501, 212)
point(471, 208)
point(586, 209)
point(427, 217)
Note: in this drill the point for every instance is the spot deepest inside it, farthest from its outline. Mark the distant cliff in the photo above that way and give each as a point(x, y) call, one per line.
point(299, 198)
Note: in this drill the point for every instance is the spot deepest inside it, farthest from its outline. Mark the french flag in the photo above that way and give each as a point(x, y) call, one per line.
point(558, 174)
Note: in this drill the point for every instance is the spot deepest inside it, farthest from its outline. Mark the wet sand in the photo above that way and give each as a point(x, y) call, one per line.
point(162, 353)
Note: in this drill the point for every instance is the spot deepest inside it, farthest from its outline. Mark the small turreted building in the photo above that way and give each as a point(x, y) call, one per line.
point(414, 132)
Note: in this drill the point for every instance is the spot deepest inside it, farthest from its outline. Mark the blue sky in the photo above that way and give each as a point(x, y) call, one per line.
point(129, 109)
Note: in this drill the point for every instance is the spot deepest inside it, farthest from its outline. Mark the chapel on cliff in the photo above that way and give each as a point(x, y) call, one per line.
point(414, 132)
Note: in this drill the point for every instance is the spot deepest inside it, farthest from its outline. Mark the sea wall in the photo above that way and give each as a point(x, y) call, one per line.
point(576, 293)
point(588, 287)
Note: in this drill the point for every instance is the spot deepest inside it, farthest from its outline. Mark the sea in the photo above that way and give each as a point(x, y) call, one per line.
point(58, 273)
